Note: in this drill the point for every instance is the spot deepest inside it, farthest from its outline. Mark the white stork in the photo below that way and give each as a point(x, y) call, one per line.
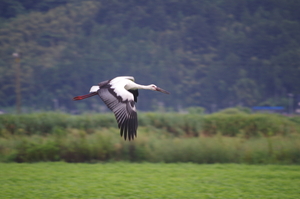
point(120, 94)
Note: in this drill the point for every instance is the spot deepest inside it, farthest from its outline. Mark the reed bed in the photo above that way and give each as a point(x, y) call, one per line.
point(168, 137)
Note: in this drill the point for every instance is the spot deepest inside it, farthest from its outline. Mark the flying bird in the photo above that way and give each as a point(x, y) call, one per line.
point(120, 95)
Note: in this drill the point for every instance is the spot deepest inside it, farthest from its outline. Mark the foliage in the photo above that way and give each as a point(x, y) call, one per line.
point(206, 53)
point(196, 110)
point(235, 110)
point(231, 122)
point(106, 145)
point(248, 125)
point(52, 122)
point(237, 137)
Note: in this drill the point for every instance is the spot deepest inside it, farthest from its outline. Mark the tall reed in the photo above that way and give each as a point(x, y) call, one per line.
point(106, 145)
point(187, 125)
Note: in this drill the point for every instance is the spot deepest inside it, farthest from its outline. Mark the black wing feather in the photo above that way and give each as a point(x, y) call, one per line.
point(124, 111)
point(135, 94)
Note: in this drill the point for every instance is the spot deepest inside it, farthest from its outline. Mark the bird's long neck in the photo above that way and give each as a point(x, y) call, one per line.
point(146, 87)
point(134, 86)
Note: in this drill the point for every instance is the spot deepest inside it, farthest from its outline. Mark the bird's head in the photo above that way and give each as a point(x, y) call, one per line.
point(155, 88)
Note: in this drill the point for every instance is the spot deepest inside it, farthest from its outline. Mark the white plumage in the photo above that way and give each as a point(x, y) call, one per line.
point(94, 89)
point(120, 95)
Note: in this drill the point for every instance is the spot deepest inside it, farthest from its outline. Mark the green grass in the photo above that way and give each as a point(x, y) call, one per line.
point(148, 180)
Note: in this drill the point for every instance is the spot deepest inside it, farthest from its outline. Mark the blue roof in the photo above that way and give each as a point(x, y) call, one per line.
point(274, 108)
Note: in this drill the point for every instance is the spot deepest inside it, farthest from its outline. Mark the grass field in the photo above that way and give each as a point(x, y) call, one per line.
point(148, 180)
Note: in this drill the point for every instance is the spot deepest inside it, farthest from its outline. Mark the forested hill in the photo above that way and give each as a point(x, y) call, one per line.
point(209, 53)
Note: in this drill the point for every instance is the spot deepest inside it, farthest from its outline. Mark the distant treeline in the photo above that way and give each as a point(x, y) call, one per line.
point(208, 53)
point(162, 137)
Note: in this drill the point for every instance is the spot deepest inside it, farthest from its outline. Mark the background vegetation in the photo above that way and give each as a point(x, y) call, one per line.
point(214, 138)
point(209, 53)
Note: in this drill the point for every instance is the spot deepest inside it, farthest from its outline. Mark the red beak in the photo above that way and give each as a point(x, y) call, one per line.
point(162, 90)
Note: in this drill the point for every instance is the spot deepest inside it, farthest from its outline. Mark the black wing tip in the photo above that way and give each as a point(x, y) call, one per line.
point(129, 135)
point(128, 126)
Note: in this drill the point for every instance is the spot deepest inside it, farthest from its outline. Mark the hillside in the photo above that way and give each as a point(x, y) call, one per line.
point(207, 53)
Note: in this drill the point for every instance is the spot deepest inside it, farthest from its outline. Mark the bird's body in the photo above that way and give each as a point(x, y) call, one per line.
point(120, 95)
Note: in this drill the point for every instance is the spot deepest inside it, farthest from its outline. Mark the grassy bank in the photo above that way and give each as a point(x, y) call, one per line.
point(215, 138)
point(106, 145)
point(174, 123)
point(146, 180)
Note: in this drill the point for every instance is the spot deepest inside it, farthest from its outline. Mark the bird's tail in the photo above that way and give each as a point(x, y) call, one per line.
point(81, 97)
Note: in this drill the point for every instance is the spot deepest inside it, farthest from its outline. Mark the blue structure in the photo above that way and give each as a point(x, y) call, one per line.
point(269, 108)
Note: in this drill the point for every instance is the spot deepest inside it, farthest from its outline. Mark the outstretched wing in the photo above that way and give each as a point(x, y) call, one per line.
point(121, 102)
